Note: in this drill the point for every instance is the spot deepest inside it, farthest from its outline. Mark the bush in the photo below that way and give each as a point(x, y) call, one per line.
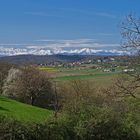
point(89, 123)
point(85, 116)
point(101, 124)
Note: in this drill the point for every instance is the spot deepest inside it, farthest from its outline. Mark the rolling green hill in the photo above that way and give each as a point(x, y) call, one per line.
point(23, 112)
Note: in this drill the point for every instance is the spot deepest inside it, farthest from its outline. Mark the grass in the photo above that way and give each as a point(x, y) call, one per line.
point(86, 76)
point(23, 112)
point(82, 70)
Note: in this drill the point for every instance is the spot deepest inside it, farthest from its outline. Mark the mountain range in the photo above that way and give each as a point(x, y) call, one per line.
point(59, 51)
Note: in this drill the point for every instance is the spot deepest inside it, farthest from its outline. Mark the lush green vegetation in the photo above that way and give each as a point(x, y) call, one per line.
point(79, 109)
point(23, 112)
point(80, 121)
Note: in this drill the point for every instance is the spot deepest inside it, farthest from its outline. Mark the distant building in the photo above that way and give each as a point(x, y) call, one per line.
point(128, 70)
point(112, 59)
point(106, 70)
point(99, 61)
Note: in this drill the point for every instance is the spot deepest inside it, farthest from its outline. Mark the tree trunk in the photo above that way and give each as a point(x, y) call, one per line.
point(32, 100)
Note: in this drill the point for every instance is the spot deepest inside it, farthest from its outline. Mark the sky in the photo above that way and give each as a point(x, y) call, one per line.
point(63, 23)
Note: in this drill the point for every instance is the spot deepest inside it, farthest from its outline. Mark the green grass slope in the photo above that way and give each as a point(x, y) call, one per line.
point(23, 112)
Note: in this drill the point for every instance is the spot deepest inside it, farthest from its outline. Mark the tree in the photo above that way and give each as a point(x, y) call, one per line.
point(28, 84)
point(76, 93)
point(130, 30)
point(4, 68)
point(10, 84)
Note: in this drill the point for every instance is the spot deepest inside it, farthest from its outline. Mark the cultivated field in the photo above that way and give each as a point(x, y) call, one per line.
point(96, 76)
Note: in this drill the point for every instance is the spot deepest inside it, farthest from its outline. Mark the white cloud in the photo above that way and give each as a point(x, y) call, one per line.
point(105, 14)
point(90, 12)
point(72, 43)
point(43, 14)
point(105, 34)
point(13, 44)
point(77, 43)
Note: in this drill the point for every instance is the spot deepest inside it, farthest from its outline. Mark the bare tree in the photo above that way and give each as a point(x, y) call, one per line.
point(128, 84)
point(130, 30)
point(123, 86)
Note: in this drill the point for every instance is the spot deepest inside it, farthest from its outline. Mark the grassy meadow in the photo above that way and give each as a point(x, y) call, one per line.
point(23, 112)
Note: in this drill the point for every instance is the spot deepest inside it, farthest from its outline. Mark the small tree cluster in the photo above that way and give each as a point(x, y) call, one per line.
point(28, 84)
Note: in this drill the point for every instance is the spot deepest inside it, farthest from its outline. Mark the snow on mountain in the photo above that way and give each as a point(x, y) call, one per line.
point(47, 51)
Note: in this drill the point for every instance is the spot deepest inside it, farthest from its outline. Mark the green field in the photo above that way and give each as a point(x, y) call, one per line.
point(87, 72)
point(23, 112)
point(87, 76)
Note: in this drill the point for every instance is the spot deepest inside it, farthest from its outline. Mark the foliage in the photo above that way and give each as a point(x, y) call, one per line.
point(28, 84)
point(86, 115)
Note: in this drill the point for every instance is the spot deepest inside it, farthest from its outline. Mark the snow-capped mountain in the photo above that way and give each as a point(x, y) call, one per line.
point(48, 51)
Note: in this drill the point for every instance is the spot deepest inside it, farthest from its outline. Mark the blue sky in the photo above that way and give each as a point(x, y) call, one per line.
point(31, 22)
